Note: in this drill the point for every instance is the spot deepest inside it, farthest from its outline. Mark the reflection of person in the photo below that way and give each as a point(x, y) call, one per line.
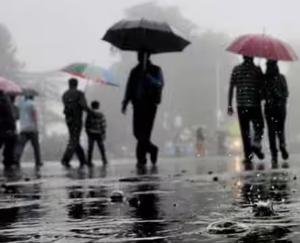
point(7, 130)
point(144, 89)
point(276, 94)
point(74, 104)
point(96, 130)
point(247, 78)
point(28, 129)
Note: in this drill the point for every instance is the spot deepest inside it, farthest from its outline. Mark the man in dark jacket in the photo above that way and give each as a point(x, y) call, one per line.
point(7, 130)
point(247, 78)
point(95, 126)
point(74, 105)
point(144, 90)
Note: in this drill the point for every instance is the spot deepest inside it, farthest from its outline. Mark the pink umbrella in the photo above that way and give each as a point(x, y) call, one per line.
point(9, 86)
point(261, 45)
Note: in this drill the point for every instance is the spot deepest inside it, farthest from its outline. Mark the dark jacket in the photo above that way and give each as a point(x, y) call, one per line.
point(96, 124)
point(74, 104)
point(144, 86)
point(7, 119)
point(248, 80)
point(275, 90)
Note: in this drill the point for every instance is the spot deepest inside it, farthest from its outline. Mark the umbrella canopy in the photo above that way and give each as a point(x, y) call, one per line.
point(9, 86)
point(261, 45)
point(151, 36)
point(29, 92)
point(90, 72)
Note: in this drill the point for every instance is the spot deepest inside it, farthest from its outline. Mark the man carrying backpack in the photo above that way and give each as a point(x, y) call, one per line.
point(144, 90)
point(74, 104)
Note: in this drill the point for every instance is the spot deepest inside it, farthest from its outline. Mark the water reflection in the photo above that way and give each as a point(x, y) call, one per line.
point(81, 206)
point(146, 209)
point(89, 200)
point(262, 186)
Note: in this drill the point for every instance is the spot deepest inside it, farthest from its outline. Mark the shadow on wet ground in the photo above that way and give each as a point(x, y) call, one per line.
point(180, 200)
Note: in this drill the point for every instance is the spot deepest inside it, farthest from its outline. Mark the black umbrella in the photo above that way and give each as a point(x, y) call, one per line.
point(150, 36)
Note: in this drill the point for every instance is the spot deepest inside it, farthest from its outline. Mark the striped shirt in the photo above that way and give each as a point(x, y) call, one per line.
point(248, 80)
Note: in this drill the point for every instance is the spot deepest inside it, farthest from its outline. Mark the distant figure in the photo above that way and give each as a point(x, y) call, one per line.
point(144, 90)
point(7, 130)
point(247, 78)
point(276, 95)
point(74, 105)
point(95, 126)
point(28, 129)
point(200, 142)
point(221, 142)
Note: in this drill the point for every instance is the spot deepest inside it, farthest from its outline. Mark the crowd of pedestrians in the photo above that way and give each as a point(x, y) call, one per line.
point(144, 92)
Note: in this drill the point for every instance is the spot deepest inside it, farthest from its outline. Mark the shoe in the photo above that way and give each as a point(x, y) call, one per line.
point(261, 166)
point(258, 152)
point(284, 153)
point(248, 164)
point(285, 165)
point(274, 163)
point(154, 155)
point(90, 164)
point(40, 164)
point(66, 164)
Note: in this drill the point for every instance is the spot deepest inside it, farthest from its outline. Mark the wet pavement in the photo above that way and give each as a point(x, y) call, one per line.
point(181, 200)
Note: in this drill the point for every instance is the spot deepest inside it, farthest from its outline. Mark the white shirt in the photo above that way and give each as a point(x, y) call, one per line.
point(28, 116)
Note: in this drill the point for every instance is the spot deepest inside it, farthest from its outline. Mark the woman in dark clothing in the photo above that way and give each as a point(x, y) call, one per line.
point(276, 94)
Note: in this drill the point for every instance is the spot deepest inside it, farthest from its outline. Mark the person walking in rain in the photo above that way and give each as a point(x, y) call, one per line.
point(247, 78)
point(7, 130)
point(74, 105)
point(144, 91)
point(95, 126)
point(276, 95)
point(28, 129)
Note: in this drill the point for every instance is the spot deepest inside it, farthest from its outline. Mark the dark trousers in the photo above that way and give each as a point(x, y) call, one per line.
point(143, 121)
point(74, 146)
point(33, 137)
point(92, 138)
point(8, 143)
point(275, 117)
point(251, 116)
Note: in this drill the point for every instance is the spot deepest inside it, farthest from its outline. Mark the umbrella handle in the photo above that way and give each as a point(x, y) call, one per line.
point(144, 61)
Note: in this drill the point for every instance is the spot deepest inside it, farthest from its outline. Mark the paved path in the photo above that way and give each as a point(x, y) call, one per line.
point(175, 202)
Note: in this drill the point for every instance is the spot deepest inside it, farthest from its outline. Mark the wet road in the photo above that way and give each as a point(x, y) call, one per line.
point(179, 201)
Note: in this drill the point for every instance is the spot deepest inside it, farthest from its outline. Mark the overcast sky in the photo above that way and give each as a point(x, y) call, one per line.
point(52, 33)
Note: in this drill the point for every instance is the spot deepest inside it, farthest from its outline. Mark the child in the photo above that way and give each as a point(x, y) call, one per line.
point(95, 126)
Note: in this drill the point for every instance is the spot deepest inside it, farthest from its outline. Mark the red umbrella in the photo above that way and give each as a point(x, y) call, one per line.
point(261, 45)
point(9, 86)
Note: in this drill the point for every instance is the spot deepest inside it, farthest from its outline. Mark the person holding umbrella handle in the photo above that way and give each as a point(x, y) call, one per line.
point(144, 91)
